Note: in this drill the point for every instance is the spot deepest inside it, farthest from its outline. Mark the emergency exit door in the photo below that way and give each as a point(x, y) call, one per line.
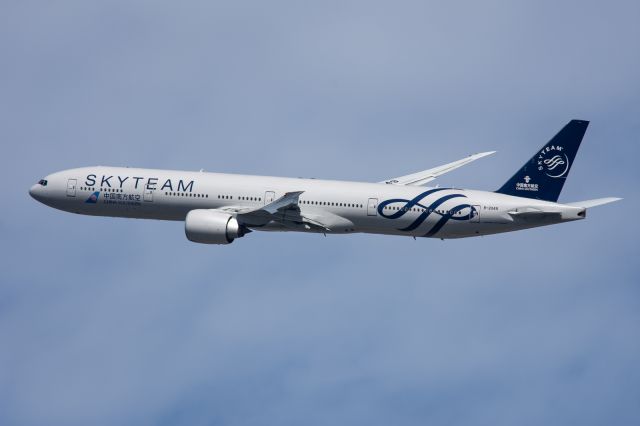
point(268, 197)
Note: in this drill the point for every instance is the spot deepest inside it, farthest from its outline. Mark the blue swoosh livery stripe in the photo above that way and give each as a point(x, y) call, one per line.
point(429, 209)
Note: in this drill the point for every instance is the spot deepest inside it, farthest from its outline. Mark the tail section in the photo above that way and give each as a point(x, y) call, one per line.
point(543, 176)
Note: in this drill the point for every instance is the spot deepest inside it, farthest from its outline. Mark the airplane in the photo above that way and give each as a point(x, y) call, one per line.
point(219, 208)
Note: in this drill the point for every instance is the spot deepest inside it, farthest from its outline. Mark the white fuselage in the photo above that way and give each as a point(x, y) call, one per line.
point(340, 206)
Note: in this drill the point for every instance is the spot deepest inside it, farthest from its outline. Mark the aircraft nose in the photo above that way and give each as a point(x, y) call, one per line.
point(32, 191)
point(36, 192)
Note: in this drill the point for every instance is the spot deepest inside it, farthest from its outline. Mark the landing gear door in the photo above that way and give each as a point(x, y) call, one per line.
point(71, 187)
point(475, 211)
point(372, 207)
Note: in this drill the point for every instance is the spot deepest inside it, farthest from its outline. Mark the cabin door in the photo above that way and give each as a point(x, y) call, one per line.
point(372, 207)
point(476, 214)
point(71, 187)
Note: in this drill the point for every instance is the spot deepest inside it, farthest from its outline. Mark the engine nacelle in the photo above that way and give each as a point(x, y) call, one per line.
point(211, 227)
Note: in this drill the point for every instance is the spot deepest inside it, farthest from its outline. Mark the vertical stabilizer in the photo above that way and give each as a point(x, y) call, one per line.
point(543, 176)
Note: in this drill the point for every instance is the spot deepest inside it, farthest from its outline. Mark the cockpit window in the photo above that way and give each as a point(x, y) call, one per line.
point(43, 182)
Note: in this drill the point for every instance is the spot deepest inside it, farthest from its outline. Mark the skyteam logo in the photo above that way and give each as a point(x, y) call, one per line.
point(459, 212)
point(553, 161)
point(93, 198)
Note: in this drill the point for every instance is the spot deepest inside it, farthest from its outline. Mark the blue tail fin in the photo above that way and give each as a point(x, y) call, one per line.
point(543, 176)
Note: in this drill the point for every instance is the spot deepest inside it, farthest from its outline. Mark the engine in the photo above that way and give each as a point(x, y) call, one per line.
point(212, 227)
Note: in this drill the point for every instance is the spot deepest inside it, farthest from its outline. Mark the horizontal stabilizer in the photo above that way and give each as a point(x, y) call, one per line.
point(532, 214)
point(425, 176)
point(593, 203)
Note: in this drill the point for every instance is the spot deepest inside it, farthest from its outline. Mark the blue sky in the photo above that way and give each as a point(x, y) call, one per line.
point(111, 321)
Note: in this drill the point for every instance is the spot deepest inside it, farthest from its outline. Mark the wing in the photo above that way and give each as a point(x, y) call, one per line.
point(420, 178)
point(284, 211)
